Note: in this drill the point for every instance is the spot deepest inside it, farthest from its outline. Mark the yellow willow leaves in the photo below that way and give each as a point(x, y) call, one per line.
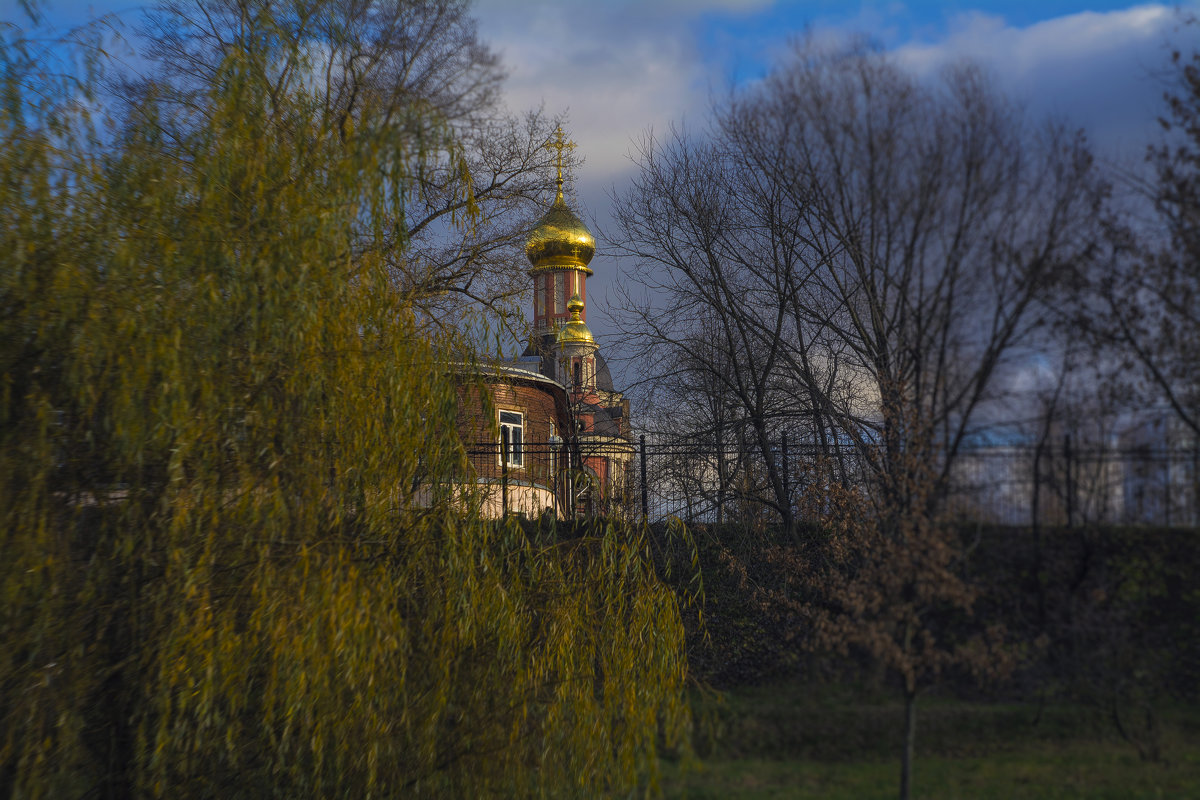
point(226, 572)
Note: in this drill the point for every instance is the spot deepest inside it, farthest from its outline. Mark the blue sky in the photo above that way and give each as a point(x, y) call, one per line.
point(744, 39)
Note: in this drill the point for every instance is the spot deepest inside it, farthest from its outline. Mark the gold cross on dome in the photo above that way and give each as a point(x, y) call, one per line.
point(560, 144)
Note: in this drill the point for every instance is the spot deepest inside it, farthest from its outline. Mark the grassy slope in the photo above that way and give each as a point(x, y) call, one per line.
point(790, 741)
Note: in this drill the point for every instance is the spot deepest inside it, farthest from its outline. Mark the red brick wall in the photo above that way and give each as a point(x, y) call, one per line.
point(538, 408)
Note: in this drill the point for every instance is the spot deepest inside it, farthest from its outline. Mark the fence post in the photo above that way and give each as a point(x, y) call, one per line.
point(787, 489)
point(504, 472)
point(1196, 481)
point(1070, 488)
point(1167, 488)
point(720, 478)
point(645, 493)
point(1037, 488)
point(574, 465)
point(555, 444)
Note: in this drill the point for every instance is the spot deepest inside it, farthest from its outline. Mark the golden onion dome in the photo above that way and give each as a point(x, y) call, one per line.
point(575, 331)
point(560, 240)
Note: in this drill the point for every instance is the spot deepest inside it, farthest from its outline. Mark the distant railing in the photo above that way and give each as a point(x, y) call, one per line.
point(1065, 484)
point(1050, 485)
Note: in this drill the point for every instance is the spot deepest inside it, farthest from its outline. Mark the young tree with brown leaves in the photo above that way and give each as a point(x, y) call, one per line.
point(895, 589)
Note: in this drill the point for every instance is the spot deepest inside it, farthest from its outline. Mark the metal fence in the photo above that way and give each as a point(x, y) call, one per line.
point(1066, 485)
point(566, 478)
point(1057, 484)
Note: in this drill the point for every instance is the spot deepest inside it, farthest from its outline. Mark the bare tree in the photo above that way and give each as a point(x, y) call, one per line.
point(479, 174)
point(698, 247)
point(693, 409)
point(874, 251)
point(1150, 294)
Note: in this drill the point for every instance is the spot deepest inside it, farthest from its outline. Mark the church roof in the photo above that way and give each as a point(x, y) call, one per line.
point(560, 239)
point(604, 381)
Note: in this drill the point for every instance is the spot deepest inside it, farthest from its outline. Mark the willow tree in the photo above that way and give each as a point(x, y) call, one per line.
point(236, 558)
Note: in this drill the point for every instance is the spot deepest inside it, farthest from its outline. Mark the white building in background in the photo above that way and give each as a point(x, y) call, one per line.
point(1143, 471)
point(1161, 470)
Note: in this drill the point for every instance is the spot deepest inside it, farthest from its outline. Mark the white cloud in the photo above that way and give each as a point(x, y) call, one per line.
point(1094, 69)
point(616, 68)
point(622, 67)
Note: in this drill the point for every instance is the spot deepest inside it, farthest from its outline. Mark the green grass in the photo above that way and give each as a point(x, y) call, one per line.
point(782, 742)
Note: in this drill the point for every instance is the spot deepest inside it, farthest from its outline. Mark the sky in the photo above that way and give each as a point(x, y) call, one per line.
point(622, 67)
point(619, 68)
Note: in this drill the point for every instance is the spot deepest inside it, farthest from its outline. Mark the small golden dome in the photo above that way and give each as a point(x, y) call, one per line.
point(575, 331)
point(560, 239)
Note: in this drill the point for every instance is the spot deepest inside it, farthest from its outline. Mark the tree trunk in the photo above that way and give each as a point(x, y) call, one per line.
point(910, 735)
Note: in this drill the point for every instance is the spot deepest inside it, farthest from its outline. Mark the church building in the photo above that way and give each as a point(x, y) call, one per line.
point(562, 436)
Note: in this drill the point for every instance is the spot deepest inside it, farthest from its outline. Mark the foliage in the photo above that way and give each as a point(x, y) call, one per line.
point(1102, 618)
point(899, 593)
point(236, 561)
point(1110, 616)
point(893, 593)
point(891, 589)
